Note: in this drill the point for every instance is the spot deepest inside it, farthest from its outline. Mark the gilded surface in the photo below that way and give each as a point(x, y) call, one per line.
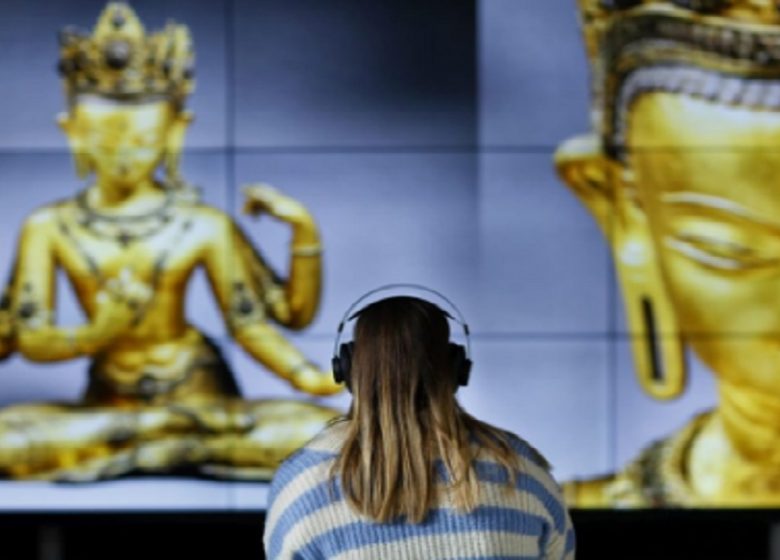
point(682, 177)
point(160, 397)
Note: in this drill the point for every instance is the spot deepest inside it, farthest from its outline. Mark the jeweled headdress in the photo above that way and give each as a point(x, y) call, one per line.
point(119, 60)
point(722, 50)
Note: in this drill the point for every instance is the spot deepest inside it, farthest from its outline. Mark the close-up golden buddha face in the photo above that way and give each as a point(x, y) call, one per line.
point(706, 178)
point(122, 142)
point(681, 175)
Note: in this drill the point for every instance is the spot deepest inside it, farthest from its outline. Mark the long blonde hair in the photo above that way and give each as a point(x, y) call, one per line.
point(404, 417)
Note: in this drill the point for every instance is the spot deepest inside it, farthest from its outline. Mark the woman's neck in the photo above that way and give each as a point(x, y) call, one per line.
point(735, 459)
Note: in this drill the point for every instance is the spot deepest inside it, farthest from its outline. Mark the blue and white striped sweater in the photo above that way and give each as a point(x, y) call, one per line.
point(308, 517)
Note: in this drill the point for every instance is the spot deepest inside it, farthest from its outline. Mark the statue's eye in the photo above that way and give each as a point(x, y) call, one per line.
point(720, 252)
point(718, 247)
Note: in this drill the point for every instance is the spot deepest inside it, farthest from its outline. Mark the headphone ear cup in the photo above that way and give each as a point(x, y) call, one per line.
point(461, 365)
point(335, 365)
point(342, 364)
point(465, 373)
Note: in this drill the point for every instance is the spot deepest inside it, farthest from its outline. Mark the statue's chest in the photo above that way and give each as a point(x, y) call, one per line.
point(155, 250)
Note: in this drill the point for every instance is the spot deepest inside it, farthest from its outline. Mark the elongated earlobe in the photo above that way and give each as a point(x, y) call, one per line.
point(173, 149)
point(656, 343)
point(606, 188)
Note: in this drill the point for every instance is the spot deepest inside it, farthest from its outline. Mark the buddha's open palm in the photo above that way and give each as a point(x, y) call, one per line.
point(119, 305)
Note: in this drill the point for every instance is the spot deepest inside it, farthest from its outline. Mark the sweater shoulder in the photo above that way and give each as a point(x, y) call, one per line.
point(526, 451)
point(310, 464)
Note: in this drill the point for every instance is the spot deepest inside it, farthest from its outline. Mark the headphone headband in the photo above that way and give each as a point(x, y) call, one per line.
point(349, 315)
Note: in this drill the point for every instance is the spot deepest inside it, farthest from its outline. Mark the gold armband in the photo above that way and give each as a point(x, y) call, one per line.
point(307, 250)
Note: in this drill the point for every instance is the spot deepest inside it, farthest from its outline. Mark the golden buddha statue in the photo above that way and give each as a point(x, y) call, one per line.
point(681, 174)
point(160, 397)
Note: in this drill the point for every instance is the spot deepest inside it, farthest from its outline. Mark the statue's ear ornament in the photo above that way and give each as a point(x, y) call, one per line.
point(121, 61)
point(656, 341)
point(605, 186)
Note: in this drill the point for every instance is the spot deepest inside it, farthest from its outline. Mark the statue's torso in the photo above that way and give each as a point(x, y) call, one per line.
point(161, 354)
point(160, 250)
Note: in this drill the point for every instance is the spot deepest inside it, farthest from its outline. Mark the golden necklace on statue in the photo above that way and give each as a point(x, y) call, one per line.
point(124, 229)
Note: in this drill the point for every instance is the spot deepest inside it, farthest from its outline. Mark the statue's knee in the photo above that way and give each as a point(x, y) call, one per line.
point(15, 446)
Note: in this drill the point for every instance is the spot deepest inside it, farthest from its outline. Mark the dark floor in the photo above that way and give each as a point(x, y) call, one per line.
point(669, 535)
point(152, 536)
point(677, 534)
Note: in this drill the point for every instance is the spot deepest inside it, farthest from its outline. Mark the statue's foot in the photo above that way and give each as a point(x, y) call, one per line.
point(156, 457)
point(160, 456)
point(213, 418)
point(93, 470)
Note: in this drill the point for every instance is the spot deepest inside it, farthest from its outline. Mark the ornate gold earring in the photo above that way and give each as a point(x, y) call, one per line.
point(173, 178)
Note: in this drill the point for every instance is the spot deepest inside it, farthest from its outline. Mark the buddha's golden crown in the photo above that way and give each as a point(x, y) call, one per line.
point(696, 47)
point(600, 16)
point(120, 60)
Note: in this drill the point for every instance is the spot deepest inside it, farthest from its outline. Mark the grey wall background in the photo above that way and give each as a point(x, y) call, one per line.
point(421, 136)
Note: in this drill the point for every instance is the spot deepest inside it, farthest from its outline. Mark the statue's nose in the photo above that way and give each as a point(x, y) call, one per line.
point(122, 158)
point(123, 152)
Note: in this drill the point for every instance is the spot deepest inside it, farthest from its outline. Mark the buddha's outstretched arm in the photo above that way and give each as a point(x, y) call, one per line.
point(7, 326)
point(267, 345)
point(244, 310)
point(32, 297)
point(296, 303)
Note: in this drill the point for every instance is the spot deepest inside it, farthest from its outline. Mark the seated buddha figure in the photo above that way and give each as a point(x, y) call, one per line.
point(160, 397)
point(682, 173)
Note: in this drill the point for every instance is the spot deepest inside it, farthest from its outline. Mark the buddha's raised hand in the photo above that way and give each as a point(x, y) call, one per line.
point(262, 198)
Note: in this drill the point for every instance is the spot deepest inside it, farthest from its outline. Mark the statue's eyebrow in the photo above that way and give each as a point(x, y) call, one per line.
point(719, 207)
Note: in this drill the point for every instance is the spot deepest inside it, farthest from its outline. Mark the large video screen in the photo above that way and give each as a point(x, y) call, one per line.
point(194, 192)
